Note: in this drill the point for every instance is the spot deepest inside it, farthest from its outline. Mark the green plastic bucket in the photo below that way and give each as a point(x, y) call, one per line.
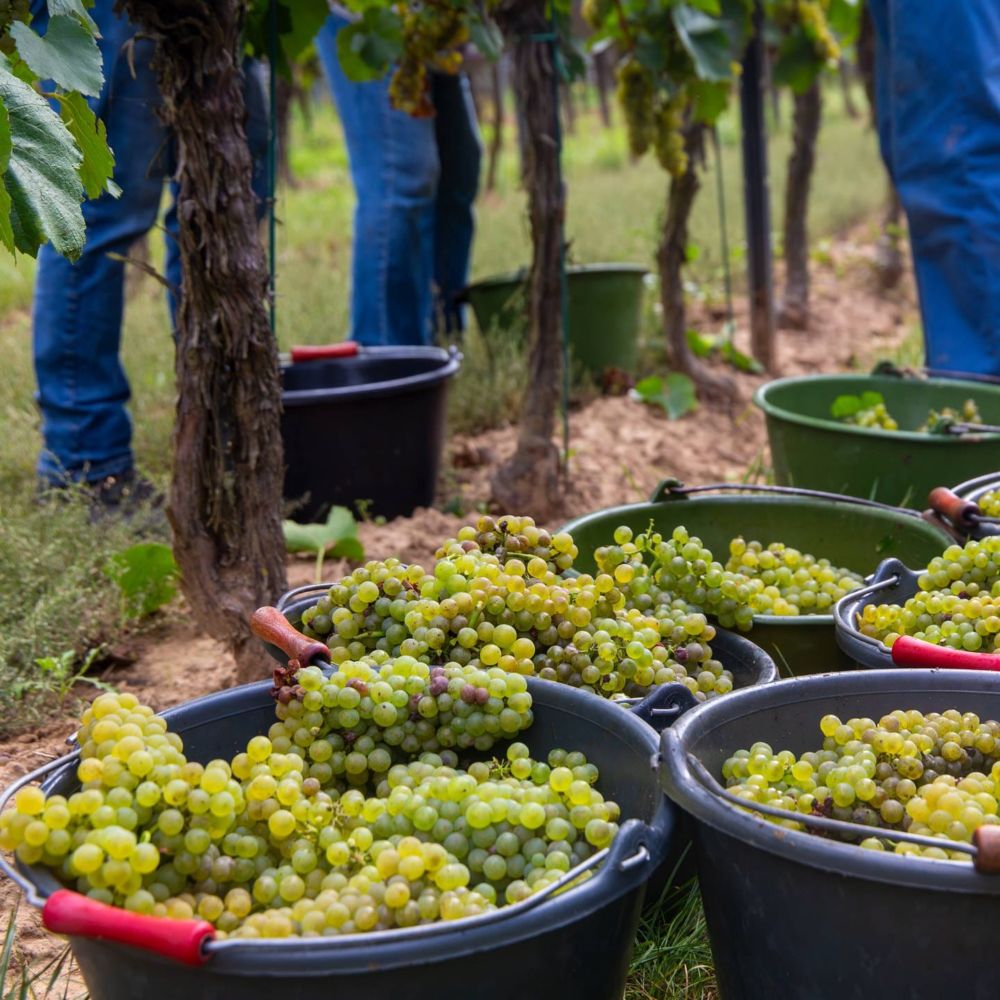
point(604, 312)
point(811, 449)
point(851, 533)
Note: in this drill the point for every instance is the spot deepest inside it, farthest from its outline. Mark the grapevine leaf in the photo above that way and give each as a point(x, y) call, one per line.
point(91, 136)
point(700, 344)
point(67, 53)
point(706, 40)
point(740, 361)
point(675, 393)
point(709, 99)
point(486, 37)
point(848, 405)
point(707, 6)
point(367, 48)
point(337, 537)
point(296, 23)
point(74, 8)
point(798, 63)
point(6, 230)
point(844, 18)
point(41, 177)
point(146, 574)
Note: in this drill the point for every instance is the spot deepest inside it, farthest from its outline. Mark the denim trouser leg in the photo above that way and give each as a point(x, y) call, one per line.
point(82, 388)
point(460, 153)
point(938, 109)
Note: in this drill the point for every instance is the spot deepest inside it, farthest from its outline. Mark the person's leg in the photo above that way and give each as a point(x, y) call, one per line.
point(394, 166)
point(939, 124)
point(460, 154)
point(82, 388)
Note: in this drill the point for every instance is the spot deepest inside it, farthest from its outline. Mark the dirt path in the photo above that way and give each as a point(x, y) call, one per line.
point(620, 450)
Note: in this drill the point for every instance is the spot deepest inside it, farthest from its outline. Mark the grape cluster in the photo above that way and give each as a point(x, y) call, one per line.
point(939, 420)
point(636, 95)
point(957, 603)
point(497, 599)
point(936, 774)
point(989, 503)
point(875, 415)
point(811, 17)
point(432, 37)
point(341, 820)
point(795, 582)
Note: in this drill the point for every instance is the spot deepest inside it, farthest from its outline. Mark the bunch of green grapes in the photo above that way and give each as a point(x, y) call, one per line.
point(496, 598)
point(936, 774)
point(319, 828)
point(655, 569)
point(796, 583)
point(811, 17)
point(957, 603)
point(989, 503)
point(875, 415)
point(938, 420)
point(432, 37)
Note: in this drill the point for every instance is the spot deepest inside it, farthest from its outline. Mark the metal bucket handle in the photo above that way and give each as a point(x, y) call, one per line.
point(674, 489)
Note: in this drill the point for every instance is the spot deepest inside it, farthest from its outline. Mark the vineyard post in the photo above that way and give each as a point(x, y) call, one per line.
point(757, 196)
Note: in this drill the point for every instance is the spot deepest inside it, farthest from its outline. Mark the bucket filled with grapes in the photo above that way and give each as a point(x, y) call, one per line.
point(883, 437)
point(768, 560)
point(300, 839)
point(847, 834)
point(945, 615)
point(971, 509)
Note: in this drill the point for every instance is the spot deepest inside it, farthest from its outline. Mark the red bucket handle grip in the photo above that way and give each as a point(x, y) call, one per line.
point(67, 912)
point(950, 505)
point(310, 352)
point(272, 626)
point(910, 652)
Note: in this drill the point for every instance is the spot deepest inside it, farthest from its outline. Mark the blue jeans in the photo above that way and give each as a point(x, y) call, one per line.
point(416, 181)
point(938, 114)
point(77, 315)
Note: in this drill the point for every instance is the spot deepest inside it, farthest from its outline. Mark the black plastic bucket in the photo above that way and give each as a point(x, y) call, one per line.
point(578, 941)
point(794, 916)
point(894, 583)
point(748, 663)
point(365, 430)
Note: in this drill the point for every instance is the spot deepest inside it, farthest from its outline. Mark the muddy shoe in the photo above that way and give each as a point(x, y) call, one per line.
point(129, 496)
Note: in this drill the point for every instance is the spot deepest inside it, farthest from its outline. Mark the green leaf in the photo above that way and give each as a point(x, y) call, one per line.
point(74, 8)
point(844, 18)
point(709, 98)
point(41, 177)
point(91, 136)
point(701, 345)
point(6, 230)
point(798, 64)
point(740, 361)
point(67, 53)
point(675, 393)
point(706, 40)
point(367, 48)
point(337, 537)
point(486, 37)
point(847, 405)
point(146, 574)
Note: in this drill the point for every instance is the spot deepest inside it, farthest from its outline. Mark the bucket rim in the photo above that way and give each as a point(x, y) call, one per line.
point(450, 362)
point(521, 274)
point(773, 411)
point(799, 846)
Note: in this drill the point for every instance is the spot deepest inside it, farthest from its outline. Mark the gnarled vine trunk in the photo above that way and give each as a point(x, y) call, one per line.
point(225, 497)
point(794, 310)
point(671, 257)
point(529, 481)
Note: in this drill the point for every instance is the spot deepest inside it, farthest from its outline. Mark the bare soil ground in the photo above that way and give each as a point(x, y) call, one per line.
point(620, 450)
